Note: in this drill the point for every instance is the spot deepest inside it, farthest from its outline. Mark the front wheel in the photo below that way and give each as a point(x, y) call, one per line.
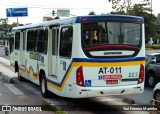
point(43, 84)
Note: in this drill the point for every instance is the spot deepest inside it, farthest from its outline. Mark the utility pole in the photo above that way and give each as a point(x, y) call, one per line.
point(151, 19)
point(151, 38)
point(17, 22)
point(5, 26)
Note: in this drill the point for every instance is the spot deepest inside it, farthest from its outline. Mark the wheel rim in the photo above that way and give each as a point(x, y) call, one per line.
point(157, 96)
point(151, 81)
point(43, 86)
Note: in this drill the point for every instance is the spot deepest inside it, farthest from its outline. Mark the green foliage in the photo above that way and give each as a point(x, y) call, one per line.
point(47, 107)
point(148, 46)
point(155, 47)
point(92, 13)
point(142, 9)
point(126, 5)
point(152, 47)
point(119, 12)
point(150, 19)
point(157, 36)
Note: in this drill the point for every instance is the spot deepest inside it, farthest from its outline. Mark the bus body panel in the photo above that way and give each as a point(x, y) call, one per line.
point(107, 75)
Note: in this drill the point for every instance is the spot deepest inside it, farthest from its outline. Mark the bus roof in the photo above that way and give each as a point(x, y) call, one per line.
point(77, 19)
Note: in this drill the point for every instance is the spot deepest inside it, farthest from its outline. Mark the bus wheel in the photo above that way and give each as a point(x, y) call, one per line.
point(20, 78)
point(43, 84)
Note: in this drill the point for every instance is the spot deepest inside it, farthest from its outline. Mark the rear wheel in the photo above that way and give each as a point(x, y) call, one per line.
point(151, 80)
point(43, 84)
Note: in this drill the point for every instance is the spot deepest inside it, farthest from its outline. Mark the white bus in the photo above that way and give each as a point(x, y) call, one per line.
point(83, 56)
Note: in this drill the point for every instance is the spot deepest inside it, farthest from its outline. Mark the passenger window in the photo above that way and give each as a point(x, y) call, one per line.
point(66, 41)
point(31, 41)
point(37, 40)
point(95, 33)
point(41, 40)
point(17, 40)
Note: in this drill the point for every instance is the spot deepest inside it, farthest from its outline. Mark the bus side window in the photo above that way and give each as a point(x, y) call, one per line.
point(17, 40)
point(66, 41)
point(39, 47)
point(31, 41)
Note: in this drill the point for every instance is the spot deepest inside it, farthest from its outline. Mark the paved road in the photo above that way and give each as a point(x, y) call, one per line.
point(141, 99)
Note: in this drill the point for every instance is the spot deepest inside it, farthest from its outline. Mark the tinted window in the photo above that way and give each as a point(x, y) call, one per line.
point(37, 40)
point(41, 41)
point(45, 41)
point(66, 41)
point(17, 40)
point(108, 32)
point(31, 41)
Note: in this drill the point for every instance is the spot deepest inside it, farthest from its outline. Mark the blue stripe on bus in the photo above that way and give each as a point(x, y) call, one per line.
point(107, 60)
point(54, 83)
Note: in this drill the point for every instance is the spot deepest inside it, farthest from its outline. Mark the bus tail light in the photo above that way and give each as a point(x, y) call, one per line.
point(138, 21)
point(84, 20)
point(141, 74)
point(79, 77)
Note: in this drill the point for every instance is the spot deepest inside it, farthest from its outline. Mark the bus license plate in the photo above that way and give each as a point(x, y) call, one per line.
point(109, 82)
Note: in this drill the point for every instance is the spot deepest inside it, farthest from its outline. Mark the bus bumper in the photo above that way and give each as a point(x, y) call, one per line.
point(82, 92)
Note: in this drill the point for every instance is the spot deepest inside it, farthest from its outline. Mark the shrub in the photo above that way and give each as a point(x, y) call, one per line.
point(155, 47)
point(148, 46)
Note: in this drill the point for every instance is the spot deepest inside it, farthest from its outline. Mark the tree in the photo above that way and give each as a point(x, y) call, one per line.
point(150, 19)
point(142, 9)
point(92, 13)
point(125, 5)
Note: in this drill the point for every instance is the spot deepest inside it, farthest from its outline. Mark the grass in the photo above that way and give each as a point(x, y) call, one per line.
point(48, 107)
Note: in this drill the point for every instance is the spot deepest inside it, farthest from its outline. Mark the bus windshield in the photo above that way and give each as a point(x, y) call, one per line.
point(111, 32)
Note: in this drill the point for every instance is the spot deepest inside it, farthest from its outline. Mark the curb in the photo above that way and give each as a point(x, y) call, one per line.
point(6, 78)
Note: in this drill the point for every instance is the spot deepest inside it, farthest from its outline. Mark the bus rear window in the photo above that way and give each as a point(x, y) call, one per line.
point(99, 33)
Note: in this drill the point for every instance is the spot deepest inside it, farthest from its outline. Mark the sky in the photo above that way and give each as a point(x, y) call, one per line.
point(39, 8)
